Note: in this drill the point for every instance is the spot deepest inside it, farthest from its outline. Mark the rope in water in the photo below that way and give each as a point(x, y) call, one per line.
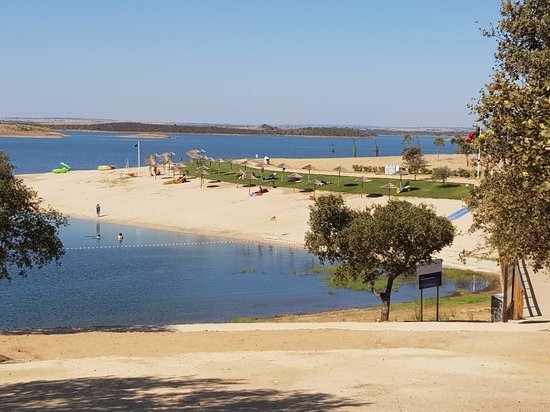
point(158, 245)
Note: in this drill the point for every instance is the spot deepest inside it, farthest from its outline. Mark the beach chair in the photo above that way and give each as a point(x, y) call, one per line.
point(405, 188)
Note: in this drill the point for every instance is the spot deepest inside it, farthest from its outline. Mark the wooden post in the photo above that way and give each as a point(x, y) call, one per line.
point(504, 276)
point(517, 311)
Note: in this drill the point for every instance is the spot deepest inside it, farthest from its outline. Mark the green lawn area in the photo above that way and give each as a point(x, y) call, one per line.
point(226, 172)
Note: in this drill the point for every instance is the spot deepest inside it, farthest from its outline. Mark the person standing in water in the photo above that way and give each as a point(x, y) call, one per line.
point(120, 237)
point(97, 209)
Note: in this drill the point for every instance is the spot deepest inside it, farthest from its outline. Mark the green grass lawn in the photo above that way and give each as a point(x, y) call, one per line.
point(226, 172)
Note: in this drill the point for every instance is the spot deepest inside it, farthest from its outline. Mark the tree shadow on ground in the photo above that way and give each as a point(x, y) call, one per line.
point(69, 330)
point(374, 195)
point(148, 393)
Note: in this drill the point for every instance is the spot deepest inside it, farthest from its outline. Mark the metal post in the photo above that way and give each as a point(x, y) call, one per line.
point(437, 306)
point(478, 162)
point(138, 158)
point(421, 305)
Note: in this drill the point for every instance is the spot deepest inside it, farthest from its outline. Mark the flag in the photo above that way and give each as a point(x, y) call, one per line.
point(273, 218)
point(136, 145)
point(472, 136)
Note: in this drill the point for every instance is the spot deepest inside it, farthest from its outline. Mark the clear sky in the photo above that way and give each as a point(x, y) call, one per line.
point(345, 62)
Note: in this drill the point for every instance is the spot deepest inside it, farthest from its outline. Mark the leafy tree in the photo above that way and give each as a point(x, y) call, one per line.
point(28, 232)
point(512, 203)
point(439, 143)
point(383, 242)
point(441, 173)
point(414, 160)
point(463, 148)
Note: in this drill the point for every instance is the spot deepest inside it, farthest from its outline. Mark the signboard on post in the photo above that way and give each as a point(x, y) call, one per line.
point(430, 280)
point(435, 266)
point(429, 276)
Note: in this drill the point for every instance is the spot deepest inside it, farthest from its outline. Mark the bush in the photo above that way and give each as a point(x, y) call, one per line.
point(368, 169)
point(462, 173)
point(441, 173)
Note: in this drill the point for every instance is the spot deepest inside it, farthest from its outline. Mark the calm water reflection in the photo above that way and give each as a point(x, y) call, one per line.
point(106, 282)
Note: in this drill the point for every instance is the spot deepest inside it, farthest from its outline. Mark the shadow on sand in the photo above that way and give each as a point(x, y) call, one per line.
point(70, 330)
point(148, 393)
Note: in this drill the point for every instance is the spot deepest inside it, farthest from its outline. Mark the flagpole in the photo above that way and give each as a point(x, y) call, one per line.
point(139, 158)
point(478, 161)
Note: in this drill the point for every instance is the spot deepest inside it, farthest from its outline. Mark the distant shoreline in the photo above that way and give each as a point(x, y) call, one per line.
point(134, 134)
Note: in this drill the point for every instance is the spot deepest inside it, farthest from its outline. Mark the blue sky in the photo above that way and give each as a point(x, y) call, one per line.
point(345, 62)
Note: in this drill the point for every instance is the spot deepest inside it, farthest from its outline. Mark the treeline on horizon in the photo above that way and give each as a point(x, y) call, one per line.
point(265, 129)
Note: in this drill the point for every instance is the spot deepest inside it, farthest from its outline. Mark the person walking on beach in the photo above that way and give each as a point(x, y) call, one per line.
point(97, 209)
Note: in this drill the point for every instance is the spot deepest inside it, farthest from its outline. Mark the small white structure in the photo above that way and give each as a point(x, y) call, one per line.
point(391, 169)
point(266, 160)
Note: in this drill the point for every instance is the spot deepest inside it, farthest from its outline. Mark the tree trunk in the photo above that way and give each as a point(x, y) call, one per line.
point(385, 297)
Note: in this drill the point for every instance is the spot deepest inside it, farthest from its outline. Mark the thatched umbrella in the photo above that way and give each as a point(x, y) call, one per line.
point(363, 179)
point(250, 177)
point(401, 173)
point(150, 160)
point(220, 161)
point(309, 168)
point(315, 183)
point(260, 165)
point(245, 163)
point(180, 166)
point(283, 166)
point(339, 169)
point(389, 186)
point(202, 173)
point(295, 177)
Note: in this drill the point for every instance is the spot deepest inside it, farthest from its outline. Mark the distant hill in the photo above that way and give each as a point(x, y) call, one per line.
point(214, 129)
point(264, 129)
point(107, 125)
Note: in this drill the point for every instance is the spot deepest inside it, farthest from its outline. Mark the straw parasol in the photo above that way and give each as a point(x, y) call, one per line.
point(339, 169)
point(363, 179)
point(309, 168)
point(202, 173)
point(401, 173)
point(220, 161)
point(315, 183)
point(283, 166)
point(295, 177)
point(389, 186)
point(250, 177)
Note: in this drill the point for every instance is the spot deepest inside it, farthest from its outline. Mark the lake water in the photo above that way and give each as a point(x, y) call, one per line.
point(85, 151)
point(155, 277)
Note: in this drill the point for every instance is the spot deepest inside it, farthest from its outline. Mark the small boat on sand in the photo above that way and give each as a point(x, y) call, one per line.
point(106, 167)
point(65, 168)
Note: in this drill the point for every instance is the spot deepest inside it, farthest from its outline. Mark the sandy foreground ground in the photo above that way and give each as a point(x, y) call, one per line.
point(325, 366)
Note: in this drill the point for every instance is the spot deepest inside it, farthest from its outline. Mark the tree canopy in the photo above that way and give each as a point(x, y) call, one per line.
point(380, 242)
point(414, 159)
point(512, 203)
point(28, 232)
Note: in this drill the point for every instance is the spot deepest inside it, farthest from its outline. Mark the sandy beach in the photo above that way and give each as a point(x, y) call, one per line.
point(314, 366)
